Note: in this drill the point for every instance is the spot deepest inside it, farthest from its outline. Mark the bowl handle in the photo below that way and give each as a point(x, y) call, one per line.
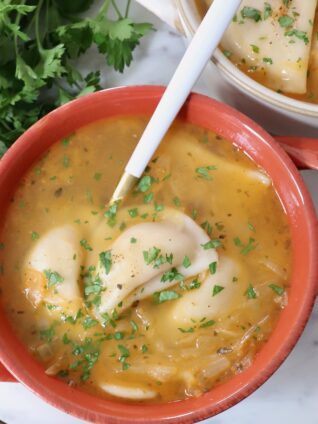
point(5, 375)
point(303, 151)
point(166, 10)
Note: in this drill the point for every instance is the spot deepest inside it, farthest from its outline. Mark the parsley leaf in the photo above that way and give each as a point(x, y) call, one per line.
point(52, 277)
point(203, 172)
point(171, 275)
point(40, 45)
point(285, 21)
point(251, 13)
point(277, 289)
point(217, 289)
point(186, 262)
point(145, 183)
point(245, 248)
point(250, 292)
point(165, 295)
point(106, 260)
point(84, 243)
point(211, 244)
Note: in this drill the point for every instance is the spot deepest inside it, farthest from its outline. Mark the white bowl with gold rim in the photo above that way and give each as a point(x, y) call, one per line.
point(276, 112)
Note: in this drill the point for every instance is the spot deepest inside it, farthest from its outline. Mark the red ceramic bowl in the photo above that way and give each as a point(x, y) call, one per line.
point(296, 201)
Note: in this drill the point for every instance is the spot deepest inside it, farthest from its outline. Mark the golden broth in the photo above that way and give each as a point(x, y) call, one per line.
point(142, 346)
point(260, 73)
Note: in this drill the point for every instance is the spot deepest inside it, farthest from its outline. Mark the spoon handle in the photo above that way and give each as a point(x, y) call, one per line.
point(191, 66)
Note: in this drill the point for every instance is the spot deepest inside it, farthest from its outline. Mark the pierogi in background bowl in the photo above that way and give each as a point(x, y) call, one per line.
point(268, 60)
point(182, 299)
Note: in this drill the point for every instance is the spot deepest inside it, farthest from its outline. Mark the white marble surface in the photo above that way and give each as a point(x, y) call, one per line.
point(291, 395)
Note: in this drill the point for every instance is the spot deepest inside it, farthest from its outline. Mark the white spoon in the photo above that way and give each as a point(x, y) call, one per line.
point(199, 52)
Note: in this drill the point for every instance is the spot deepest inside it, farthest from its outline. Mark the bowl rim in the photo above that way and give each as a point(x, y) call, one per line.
point(239, 78)
point(80, 404)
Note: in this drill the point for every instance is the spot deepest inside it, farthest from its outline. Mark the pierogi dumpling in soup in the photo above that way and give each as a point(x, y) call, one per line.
point(275, 42)
point(157, 298)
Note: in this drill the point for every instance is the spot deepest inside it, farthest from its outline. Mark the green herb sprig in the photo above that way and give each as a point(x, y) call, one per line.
point(40, 43)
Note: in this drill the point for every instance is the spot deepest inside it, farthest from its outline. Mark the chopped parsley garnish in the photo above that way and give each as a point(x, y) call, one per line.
point(212, 267)
point(85, 245)
point(66, 161)
point(52, 277)
point(66, 141)
point(268, 11)
point(92, 285)
point(151, 255)
point(250, 292)
point(97, 176)
point(34, 235)
point(154, 257)
point(65, 339)
point(118, 335)
point(176, 201)
point(125, 365)
point(115, 315)
point(89, 196)
point(251, 13)
point(51, 306)
point(286, 21)
point(211, 244)
point(186, 262)
point(145, 183)
point(203, 172)
point(124, 354)
point(217, 289)
point(195, 284)
point(111, 213)
point(134, 326)
point(133, 240)
point(159, 208)
point(301, 35)
point(171, 275)
point(207, 324)
point(186, 330)
point(73, 319)
point(251, 227)
point(133, 212)
point(194, 214)
point(164, 296)
point(169, 258)
point(144, 348)
point(255, 48)
point(148, 198)
point(108, 320)
point(89, 322)
point(245, 248)
point(227, 53)
point(47, 334)
point(207, 227)
point(277, 289)
point(268, 60)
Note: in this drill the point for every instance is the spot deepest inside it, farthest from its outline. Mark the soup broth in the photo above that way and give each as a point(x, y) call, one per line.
point(247, 51)
point(196, 329)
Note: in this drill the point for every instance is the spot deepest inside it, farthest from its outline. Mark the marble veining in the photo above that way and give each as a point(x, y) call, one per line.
point(291, 394)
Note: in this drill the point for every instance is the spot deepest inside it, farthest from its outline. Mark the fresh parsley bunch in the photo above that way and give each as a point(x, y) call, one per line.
point(39, 44)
